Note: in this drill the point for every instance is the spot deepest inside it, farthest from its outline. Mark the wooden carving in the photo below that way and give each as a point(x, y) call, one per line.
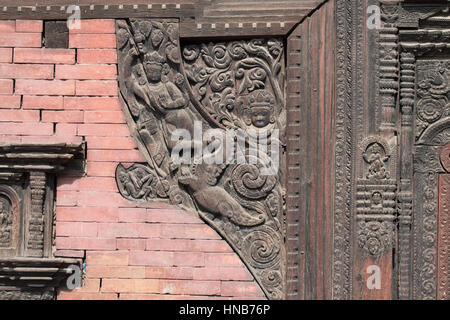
point(28, 269)
point(9, 219)
point(222, 96)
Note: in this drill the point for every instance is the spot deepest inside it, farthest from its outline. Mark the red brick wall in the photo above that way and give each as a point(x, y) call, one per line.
point(131, 251)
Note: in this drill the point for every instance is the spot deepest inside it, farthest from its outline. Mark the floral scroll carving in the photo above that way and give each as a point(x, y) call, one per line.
point(232, 86)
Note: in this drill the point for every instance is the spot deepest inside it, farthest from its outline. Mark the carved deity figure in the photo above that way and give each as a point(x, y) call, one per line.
point(160, 95)
point(5, 223)
point(375, 155)
point(261, 110)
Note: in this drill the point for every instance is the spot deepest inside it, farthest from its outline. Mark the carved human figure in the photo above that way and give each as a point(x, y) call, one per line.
point(161, 96)
point(136, 183)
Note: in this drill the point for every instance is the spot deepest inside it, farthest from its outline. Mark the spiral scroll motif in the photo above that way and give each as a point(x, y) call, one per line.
point(249, 183)
point(262, 248)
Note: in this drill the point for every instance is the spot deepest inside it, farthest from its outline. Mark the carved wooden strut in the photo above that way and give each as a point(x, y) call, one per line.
point(234, 85)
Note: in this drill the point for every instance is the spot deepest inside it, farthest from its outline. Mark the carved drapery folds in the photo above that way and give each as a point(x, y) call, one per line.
point(213, 89)
point(28, 268)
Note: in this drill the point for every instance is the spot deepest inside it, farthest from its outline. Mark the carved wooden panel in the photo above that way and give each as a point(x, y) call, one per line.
point(215, 89)
point(10, 221)
point(443, 277)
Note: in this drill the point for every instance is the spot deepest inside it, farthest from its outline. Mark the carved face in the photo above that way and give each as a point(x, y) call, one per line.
point(153, 72)
point(260, 116)
point(157, 37)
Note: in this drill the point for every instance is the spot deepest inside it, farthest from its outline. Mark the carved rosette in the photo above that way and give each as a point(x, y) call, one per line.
point(433, 94)
point(222, 86)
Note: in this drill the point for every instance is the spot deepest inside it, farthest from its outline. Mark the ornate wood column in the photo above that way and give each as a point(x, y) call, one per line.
point(28, 269)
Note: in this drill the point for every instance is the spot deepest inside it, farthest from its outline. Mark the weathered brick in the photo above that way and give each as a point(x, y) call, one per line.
point(92, 103)
point(26, 71)
point(104, 117)
point(42, 102)
point(107, 258)
point(45, 87)
point(66, 198)
point(103, 130)
point(188, 259)
point(169, 273)
point(190, 287)
point(66, 129)
point(130, 285)
point(118, 230)
point(193, 231)
point(115, 155)
point(89, 286)
point(69, 253)
point(113, 143)
point(143, 296)
point(95, 26)
point(6, 86)
point(85, 243)
point(151, 258)
point(118, 272)
point(148, 230)
point(92, 41)
point(96, 56)
point(222, 273)
point(76, 229)
point(19, 115)
point(86, 72)
point(96, 88)
point(130, 244)
point(241, 288)
point(10, 102)
point(102, 199)
point(174, 215)
point(89, 214)
point(188, 245)
point(36, 129)
point(51, 139)
point(97, 184)
point(29, 26)
point(5, 55)
point(7, 26)
point(222, 260)
point(100, 169)
point(74, 295)
point(132, 215)
point(21, 40)
point(44, 55)
point(63, 116)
